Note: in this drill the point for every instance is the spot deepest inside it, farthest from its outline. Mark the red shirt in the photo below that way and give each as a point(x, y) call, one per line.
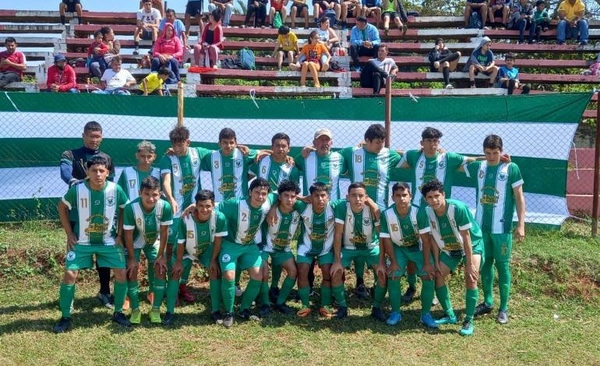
point(65, 79)
point(15, 57)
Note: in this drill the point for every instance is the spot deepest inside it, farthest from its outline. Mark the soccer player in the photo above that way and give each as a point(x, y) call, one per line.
point(499, 190)
point(146, 228)
point(95, 203)
point(200, 236)
point(400, 238)
point(240, 247)
point(357, 235)
point(131, 177)
point(450, 224)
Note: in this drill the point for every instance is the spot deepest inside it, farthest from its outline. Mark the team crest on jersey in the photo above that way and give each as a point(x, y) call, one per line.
point(110, 201)
point(442, 164)
point(225, 258)
point(323, 165)
point(334, 165)
point(202, 233)
point(238, 163)
point(295, 220)
point(71, 255)
point(366, 221)
point(502, 176)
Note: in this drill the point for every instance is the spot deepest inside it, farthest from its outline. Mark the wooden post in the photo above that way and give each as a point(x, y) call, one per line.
point(388, 111)
point(596, 173)
point(179, 104)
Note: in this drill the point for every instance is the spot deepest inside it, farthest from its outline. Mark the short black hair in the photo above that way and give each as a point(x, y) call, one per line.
point(227, 133)
point(318, 187)
point(98, 33)
point(492, 142)
point(432, 186)
point(356, 185)
point(510, 55)
point(431, 133)
point(164, 71)
point(287, 185)
point(92, 126)
point(216, 14)
point(10, 40)
point(401, 186)
point(260, 183)
point(203, 195)
point(150, 183)
point(283, 30)
point(280, 136)
point(179, 134)
point(105, 30)
point(97, 160)
point(375, 131)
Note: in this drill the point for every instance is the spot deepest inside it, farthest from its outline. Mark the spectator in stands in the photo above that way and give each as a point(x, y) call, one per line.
point(156, 4)
point(61, 76)
point(299, 9)
point(327, 35)
point(193, 8)
point(571, 14)
point(349, 8)
point(499, 9)
point(372, 8)
point(12, 63)
point(482, 61)
point(152, 84)
point(441, 59)
point(71, 6)
point(148, 20)
point(323, 7)
point(286, 45)
point(542, 19)
point(364, 41)
point(314, 57)
point(226, 8)
point(116, 79)
point(394, 11)
point(508, 76)
point(278, 6)
point(258, 10)
point(113, 44)
point(479, 6)
point(377, 70)
point(95, 55)
point(521, 18)
point(168, 52)
point(206, 52)
point(177, 24)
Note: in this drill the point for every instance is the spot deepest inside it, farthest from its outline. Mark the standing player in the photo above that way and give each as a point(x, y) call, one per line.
point(131, 177)
point(499, 190)
point(95, 203)
point(450, 224)
point(146, 226)
point(73, 171)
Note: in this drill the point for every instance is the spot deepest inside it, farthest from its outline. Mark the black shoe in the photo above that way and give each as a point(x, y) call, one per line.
point(63, 325)
point(342, 312)
point(284, 309)
point(121, 319)
point(168, 319)
point(483, 309)
point(245, 314)
point(362, 292)
point(273, 294)
point(264, 310)
point(217, 317)
point(228, 320)
point(378, 314)
point(409, 295)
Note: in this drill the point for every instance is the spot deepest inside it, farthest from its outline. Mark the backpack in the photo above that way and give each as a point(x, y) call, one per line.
point(277, 22)
point(475, 21)
point(246, 58)
point(329, 13)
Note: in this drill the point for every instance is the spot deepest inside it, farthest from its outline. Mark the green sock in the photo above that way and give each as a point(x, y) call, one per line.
point(340, 295)
point(159, 293)
point(187, 268)
point(412, 280)
point(394, 290)
point(487, 281)
point(504, 280)
point(133, 291)
point(286, 288)
point(470, 303)
point(150, 277)
point(359, 270)
point(66, 296)
point(120, 295)
point(326, 293)
point(275, 275)
point(264, 293)
point(253, 288)
point(380, 292)
point(304, 293)
point(228, 293)
point(172, 292)
point(215, 294)
point(444, 297)
point(427, 294)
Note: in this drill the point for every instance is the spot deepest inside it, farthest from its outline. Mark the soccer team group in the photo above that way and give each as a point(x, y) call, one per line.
point(164, 213)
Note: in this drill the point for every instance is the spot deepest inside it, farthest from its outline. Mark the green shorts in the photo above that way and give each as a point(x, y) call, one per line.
point(173, 230)
point(150, 252)
point(322, 259)
point(278, 258)
point(237, 255)
point(453, 262)
point(410, 254)
point(81, 257)
point(371, 256)
point(204, 257)
point(498, 246)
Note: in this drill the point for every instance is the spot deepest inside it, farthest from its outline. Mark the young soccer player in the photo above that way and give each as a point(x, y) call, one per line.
point(146, 228)
point(499, 190)
point(96, 203)
point(450, 225)
point(131, 177)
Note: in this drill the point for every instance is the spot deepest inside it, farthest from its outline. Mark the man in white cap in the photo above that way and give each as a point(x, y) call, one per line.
point(482, 60)
point(61, 76)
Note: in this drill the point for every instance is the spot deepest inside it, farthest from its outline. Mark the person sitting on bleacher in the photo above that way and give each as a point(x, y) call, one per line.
point(571, 14)
point(372, 8)
point(12, 63)
point(278, 6)
point(206, 52)
point(116, 79)
point(364, 41)
point(258, 10)
point(168, 52)
point(320, 7)
point(521, 18)
point(482, 61)
point(542, 19)
point(314, 57)
point(350, 8)
point(226, 8)
point(479, 6)
point(508, 76)
point(70, 6)
point(286, 46)
point(299, 9)
point(152, 84)
point(377, 70)
point(394, 11)
point(156, 4)
point(148, 20)
point(95, 55)
point(61, 77)
point(499, 9)
point(441, 59)
point(327, 35)
point(177, 24)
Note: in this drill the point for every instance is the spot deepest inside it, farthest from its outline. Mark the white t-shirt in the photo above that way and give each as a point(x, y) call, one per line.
point(148, 17)
point(387, 64)
point(115, 80)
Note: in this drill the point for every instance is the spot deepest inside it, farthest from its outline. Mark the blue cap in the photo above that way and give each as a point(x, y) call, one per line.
point(60, 57)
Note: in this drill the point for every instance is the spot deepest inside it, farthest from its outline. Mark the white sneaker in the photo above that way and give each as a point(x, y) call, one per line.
point(449, 86)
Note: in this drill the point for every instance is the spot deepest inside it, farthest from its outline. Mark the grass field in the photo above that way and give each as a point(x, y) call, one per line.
point(554, 318)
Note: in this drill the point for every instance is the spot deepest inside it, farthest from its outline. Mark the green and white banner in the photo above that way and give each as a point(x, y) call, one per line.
point(35, 128)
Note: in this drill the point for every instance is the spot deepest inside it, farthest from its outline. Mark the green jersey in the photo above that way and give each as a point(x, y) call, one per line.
point(324, 169)
point(95, 212)
point(317, 229)
point(274, 172)
point(424, 169)
point(185, 175)
point(229, 173)
point(131, 178)
point(359, 227)
point(244, 221)
point(279, 236)
point(495, 195)
point(198, 236)
point(146, 225)
point(403, 231)
point(373, 170)
point(445, 229)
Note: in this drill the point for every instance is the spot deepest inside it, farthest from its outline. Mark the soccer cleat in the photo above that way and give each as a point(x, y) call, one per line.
point(342, 312)
point(273, 294)
point(449, 86)
point(121, 319)
point(409, 295)
point(395, 318)
point(502, 317)
point(135, 317)
point(185, 293)
point(483, 309)
point(168, 319)
point(377, 313)
point(63, 325)
point(126, 304)
point(150, 297)
point(238, 291)
point(264, 310)
point(245, 314)
point(326, 312)
point(446, 320)
point(362, 292)
point(228, 320)
point(155, 316)
point(106, 300)
point(217, 317)
point(284, 309)
point(467, 328)
point(304, 312)
point(428, 321)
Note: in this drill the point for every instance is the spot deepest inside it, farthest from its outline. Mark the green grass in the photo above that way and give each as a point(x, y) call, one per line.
point(553, 317)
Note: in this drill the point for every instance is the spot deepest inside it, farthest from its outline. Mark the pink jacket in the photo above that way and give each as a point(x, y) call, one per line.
point(171, 46)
